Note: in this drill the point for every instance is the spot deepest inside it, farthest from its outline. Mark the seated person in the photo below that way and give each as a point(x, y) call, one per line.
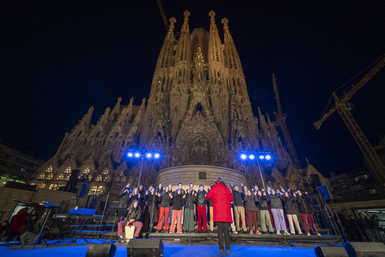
point(54, 232)
point(132, 217)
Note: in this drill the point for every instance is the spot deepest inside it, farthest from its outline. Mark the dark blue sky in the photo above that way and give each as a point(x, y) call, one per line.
point(57, 59)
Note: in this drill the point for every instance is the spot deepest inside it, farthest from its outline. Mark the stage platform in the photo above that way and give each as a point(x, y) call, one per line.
point(200, 237)
point(247, 237)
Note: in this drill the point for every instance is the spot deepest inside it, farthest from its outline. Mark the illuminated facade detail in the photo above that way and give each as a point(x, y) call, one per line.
point(49, 169)
point(68, 170)
point(60, 177)
point(198, 113)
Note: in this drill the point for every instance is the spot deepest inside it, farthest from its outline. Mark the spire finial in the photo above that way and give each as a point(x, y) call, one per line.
point(172, 21)
point(225, 26)
point(212, 14)
point(186, 14)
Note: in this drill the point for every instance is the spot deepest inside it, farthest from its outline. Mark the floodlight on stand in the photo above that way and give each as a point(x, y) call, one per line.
point(251, 156)
point(137, 155)
point(268, 157)
point(243, 156)
point(148, 155)
point(156, 155)
point(130, 154)
point(261, 157)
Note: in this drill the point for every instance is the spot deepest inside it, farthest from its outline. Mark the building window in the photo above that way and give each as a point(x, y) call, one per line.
point(99, 178)
point(107, 179)
point(68, 177)
point(68, 170)
point(42, 176)
point(53, 187)
point(105, 172)
point(50, 176)
point(60, 177)
point(194, 157)
point(117, 179)
point(41, 186)
point(49, 169)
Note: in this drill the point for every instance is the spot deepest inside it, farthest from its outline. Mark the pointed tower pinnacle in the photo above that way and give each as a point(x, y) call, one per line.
point(232, 60)
point(215, 44)
point(183, 48)
point(185, 23)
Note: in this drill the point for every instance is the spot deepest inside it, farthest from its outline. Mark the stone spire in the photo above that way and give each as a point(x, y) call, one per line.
point(215, 45)
point(116, 111)
point(273, 131)
point(263, 128)
point(183, 48)
point(167, 51)
point(232, 60)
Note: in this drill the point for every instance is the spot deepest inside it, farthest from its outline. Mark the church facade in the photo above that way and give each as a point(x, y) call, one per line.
point(198, 117)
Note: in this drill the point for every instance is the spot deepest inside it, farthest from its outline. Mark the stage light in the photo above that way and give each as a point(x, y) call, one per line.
point(148, 155)
point(261, 157)
point(268, 157)
point(137, 155)
point(156, 155)
point(251, 156)
point(243, 156)
point(130, 154)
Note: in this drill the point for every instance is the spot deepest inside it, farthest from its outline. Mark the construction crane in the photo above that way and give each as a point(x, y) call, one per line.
point(281, 122)
point(343, 107)
point(165, 21)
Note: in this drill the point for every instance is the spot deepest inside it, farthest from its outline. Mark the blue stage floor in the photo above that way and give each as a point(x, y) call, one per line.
point(170, 249)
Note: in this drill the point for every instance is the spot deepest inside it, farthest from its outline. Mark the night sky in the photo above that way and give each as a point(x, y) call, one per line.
point(58, 58)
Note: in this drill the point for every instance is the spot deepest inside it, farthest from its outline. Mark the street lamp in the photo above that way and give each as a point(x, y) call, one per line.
point(141, 155)
point(261, 156)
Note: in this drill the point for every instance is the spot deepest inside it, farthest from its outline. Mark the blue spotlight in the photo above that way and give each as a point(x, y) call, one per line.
point(148, 155)
point(137, 155)
point(251, 156)
point(130, 154)
point(261, 157)
point(268, 157)
point(243, 156)
point(156, 155)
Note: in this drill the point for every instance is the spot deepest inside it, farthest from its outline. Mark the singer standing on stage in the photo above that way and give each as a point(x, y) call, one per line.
point(222, 198)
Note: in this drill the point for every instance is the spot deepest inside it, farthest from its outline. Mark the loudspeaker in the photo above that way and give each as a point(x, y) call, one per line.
point(101, 250)
point(145, 247)
point(27, 238)
point(326, 193)
point(82, 189)
point(73, 180)
point(330, 251)
point(316, 182)
point(363, 249)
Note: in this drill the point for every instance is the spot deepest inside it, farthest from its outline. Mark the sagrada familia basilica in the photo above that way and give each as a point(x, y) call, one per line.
point(198, 117)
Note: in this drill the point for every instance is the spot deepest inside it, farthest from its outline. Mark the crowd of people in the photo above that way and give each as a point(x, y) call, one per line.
point(178, 210)
point(166, 207)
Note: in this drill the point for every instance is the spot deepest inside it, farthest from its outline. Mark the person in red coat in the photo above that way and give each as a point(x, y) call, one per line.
point(17, 225)
point(222, 199)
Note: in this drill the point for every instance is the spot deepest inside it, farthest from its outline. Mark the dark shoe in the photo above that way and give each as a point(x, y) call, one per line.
point(157, 231)
point(221, 251)
point(228, 252)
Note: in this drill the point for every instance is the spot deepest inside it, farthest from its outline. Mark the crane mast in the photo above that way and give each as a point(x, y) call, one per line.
point(281, 122)
point(342, 107)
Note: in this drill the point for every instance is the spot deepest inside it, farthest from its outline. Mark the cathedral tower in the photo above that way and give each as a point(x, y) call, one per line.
point(198, 116)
